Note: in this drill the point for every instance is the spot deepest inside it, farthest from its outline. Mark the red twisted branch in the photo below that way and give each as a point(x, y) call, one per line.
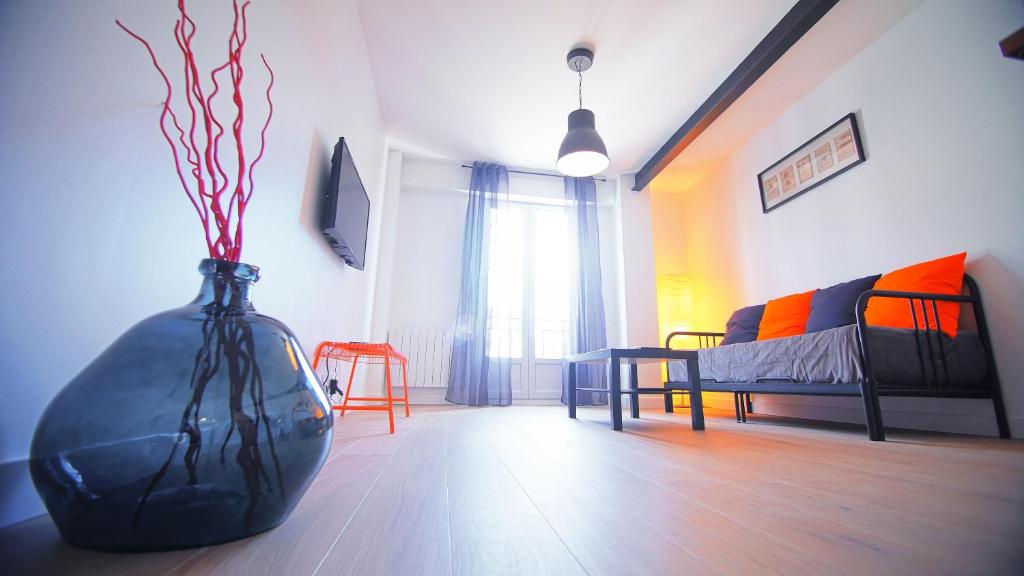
point(201, 154)
point(237, 74)
point(220, 127)
point(163, 129)
point(263, 145)
point(193, 95)
point(263, 132)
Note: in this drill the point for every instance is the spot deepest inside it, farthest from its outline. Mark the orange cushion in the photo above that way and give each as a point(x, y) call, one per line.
point(786, 316)
point(942, 276)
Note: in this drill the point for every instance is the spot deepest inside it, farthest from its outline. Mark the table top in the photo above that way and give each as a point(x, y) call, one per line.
point(638, 355)
point(364, 352)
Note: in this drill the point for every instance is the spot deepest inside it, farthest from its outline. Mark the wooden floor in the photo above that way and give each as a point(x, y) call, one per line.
point(525, 490)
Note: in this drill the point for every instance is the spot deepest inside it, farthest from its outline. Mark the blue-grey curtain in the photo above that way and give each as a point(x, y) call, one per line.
point(586, 324)
point(476, 378)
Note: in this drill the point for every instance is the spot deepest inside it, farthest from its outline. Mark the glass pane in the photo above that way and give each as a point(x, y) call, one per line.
point(550, 282)
point(505, 283)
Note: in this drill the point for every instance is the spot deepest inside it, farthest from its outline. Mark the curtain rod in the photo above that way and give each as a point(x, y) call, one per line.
point(535, 173)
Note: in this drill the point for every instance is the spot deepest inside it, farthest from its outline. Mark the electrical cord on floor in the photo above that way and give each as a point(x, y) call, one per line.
point(330, 385)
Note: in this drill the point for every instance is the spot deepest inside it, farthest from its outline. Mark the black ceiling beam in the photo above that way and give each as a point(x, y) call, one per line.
point(1013, 45)
point(801, 18)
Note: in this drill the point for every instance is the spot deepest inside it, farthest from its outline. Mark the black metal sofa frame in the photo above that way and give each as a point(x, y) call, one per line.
point(930, 385)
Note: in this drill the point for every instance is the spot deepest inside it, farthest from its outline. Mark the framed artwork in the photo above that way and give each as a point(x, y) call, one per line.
point(832, 152)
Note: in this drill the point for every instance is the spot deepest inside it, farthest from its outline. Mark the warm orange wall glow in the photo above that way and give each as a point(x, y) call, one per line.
point(667, 234)
point(675, 305)
point(696, 261)
point(675, 311)
point(694, 238)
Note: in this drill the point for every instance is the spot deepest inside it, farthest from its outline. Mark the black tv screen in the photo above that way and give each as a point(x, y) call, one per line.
point(345, 213)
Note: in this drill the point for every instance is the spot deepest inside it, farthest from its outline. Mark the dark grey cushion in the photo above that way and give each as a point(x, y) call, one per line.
point(743, 324)
point(833, 307)
point(895, 358)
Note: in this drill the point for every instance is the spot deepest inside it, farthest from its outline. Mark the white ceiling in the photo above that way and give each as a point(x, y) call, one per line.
point(487, 79)
point(840, 35)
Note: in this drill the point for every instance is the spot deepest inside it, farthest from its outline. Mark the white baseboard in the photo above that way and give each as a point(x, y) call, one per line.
point(435, 397)
point(423, 396)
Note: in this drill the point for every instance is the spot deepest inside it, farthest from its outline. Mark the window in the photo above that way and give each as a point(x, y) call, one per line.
point(505, 283)
point(550, 274)
point(528, 288)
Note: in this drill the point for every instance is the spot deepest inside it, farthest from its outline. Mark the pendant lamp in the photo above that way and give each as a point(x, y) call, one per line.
point(582, 152)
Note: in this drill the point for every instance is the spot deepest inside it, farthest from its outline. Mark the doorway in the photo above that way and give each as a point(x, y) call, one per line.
point(529, 294)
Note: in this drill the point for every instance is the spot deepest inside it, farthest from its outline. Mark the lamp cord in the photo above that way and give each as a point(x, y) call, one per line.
point(578, 71)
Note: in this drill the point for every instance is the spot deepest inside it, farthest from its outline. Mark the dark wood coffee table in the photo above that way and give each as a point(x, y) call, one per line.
point(615, 357)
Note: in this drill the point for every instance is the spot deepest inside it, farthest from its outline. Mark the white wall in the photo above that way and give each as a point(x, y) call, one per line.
point(940, 115)
point(428, 244)
point(388, 212)
point(96, 232)
point(638, 291)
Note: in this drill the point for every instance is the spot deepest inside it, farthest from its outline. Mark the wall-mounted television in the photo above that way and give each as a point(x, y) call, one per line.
point(345, 212)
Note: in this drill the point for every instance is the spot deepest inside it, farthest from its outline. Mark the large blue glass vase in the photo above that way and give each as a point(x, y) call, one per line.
point(199, 425)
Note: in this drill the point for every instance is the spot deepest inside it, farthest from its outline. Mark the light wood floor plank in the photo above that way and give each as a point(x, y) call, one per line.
point(604, 540)
point(298, 545)
point(807, 531)
point(525, 490)
point(820, 466)
point(496, 529)
point(934, 522)
point(697, 528)
point(872, 474)
point(402, 526)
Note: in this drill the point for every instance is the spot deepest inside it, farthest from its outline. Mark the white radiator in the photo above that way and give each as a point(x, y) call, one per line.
point(429, 351)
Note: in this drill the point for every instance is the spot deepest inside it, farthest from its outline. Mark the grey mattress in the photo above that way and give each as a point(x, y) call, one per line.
point(832, 356)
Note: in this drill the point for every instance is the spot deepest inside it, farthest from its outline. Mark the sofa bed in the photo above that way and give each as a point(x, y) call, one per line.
point(860, 338)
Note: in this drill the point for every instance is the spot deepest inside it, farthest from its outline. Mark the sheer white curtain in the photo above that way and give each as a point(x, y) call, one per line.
point(587, 323)
point(481, 373)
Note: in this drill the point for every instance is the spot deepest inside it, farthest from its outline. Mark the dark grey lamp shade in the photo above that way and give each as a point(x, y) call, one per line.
point(582, 152)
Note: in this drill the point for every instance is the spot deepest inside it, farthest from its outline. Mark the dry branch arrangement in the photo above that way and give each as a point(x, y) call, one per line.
point(219, 197)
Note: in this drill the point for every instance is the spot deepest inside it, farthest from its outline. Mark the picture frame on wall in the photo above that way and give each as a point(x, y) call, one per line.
point(833, 151)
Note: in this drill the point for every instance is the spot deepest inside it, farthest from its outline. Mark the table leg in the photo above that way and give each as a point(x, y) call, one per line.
point(316, 355)
point(572, 390)
point(387, 383)
point(696, 402)
point(634, 399)
point(615, 393)
point(405, 387)
point(348, 387)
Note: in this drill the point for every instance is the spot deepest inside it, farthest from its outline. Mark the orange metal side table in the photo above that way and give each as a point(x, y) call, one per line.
point(356, 352)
